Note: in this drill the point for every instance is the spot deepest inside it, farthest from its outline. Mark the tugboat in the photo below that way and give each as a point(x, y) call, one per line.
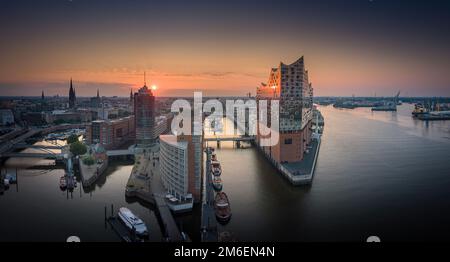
point(216, 168)
point(419, 110)
point(63, 183)
point(217, 183)
point(132, 222)
point(222, 207)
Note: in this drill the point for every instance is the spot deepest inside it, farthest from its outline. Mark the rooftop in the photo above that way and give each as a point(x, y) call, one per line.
point(172, 140)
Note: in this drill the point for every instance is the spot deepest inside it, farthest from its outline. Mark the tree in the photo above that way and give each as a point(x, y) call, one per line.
point(77, 148)
point(72, 139)
point(88, 160)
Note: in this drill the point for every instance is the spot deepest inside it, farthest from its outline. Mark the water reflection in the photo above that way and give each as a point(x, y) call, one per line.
point(378, 173)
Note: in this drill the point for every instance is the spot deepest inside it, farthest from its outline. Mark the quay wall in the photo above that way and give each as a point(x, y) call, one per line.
point(296, 180)
point(89, 177)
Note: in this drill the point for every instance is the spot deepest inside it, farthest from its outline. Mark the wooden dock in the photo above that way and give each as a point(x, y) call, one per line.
point(172, 232)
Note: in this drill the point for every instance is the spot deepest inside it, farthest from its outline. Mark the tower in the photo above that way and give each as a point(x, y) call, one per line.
point(42, 95)
point(131, 98)
point(144, 115)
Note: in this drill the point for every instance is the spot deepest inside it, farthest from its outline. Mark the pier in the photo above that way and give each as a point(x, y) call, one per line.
point(208, 229)
point(120, 229)
point(170, 227)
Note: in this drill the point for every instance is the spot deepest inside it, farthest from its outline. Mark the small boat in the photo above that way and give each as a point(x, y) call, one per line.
point(222, 207)
point(213, 157)
point(63, 183)
point(419, 110)
point(132, 222)
point(216, 169)
point(217, 183)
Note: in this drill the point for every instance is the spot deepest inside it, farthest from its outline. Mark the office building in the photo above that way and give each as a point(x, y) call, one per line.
point(144, 112)
point(181, 165)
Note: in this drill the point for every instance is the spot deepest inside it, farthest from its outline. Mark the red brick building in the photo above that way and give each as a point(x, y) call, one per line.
point(111, 133)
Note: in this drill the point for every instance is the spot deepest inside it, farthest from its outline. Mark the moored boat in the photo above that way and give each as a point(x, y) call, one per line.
point(132, 222)
point(6, 182)
point(216, 168)
point(222, 207)
point(12, 178)
point(213, 157)
point(63, 183)
point(217, 183)
point(419, 110)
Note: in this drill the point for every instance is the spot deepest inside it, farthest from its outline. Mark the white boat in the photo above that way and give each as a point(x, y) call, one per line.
point(12, 178)
point(132, 222)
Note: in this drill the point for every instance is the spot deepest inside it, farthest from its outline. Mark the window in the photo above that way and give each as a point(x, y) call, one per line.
point(288, 141)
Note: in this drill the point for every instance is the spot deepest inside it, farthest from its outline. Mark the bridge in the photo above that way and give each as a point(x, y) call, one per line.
point(24, 146)
point(10, 144)
point(229, 138)
point(57, 156)
point(123, 152)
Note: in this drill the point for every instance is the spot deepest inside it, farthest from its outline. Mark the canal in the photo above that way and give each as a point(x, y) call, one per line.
point(378, 173)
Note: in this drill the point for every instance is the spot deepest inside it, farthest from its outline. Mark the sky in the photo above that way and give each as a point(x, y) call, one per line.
point(351, 47)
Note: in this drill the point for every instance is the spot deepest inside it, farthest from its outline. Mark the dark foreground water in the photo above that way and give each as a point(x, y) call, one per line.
point(379, 173)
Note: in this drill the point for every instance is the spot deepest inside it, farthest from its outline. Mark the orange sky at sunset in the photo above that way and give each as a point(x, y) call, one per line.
point(216, 48)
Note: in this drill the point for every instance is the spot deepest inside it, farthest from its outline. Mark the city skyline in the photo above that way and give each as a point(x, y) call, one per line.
point(223, 49)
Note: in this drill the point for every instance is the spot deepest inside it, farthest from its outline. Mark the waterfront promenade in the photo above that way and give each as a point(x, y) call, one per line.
point(145, 183)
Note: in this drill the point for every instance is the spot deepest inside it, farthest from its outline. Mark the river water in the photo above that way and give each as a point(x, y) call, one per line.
point(378, 173)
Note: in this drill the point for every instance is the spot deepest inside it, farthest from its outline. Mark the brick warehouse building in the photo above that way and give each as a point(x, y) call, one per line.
point(111, 133)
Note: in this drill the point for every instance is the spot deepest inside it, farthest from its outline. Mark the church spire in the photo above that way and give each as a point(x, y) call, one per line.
point(42, 95)
point(72, 96)
point(98, 93)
